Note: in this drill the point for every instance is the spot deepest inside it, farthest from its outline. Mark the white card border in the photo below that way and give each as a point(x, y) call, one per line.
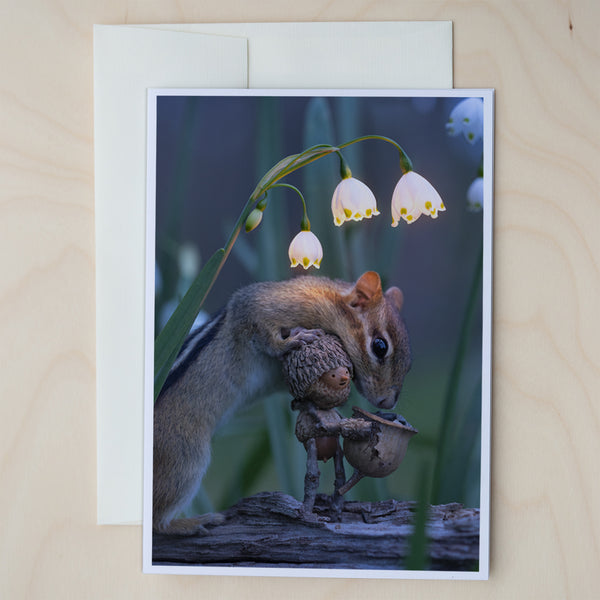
point(486, 389)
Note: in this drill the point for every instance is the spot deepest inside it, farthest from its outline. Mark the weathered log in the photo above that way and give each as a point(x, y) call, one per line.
point(269, 530)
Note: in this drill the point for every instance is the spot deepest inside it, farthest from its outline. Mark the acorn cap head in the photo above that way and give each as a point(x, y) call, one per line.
point(304, 366)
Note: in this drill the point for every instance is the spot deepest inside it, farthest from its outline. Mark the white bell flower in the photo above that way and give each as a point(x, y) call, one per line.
point(352, 201)
point(306, 250)
point(467, 118)
point(414, 196)
point(475, 195)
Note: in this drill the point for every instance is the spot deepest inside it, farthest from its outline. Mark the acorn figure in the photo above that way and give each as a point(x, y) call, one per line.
point(318, 374)
point(319, 371)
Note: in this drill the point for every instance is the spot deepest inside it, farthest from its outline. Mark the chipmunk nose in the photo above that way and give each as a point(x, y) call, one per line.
point(388, 401)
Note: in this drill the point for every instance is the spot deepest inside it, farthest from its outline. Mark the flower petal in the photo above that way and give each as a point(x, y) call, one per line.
point(352, 201)
point(306, 250)
point(467, 118)
point(475, 195)
point(414, 196)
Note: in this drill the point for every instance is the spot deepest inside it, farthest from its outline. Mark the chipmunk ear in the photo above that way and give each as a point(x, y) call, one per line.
point(395, 296)
point(366, 290)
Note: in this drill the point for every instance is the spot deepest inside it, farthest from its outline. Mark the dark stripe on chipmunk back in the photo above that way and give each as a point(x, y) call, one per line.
point(195, 342)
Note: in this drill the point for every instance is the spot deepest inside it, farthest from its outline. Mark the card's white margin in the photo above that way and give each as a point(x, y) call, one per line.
point(149, 329)
point(486, 326)
point(486, 389)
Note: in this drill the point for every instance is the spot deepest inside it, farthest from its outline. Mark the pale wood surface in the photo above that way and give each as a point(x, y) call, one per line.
point(543, 58)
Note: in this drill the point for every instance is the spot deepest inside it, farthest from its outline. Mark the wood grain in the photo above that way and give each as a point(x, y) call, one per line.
point(543, 58)
point(270, 530)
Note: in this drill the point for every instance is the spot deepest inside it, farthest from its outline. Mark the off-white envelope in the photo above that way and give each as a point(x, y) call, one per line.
point(127, 61)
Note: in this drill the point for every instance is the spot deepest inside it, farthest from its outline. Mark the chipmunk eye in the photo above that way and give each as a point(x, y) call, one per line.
point(379, 347)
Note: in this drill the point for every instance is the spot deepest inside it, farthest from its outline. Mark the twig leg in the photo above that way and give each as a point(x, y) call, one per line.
point(340, 480)
point(311, 479)
point(356, 477)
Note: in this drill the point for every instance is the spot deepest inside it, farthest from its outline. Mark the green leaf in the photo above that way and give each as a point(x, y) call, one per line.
point(280, 436)
point(171, 338)
point(272, 173)
point(289, 164)
point(318, 184)
point(390, 247)
point(246, 254)
point(273, 240)
point(417, 558)
point(450, 403)
point(454, 477)
point(254, 462)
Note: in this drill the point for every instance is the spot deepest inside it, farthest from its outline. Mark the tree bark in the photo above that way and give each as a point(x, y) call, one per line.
point(270, 530)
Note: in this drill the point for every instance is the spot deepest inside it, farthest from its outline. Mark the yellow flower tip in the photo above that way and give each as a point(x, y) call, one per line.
point(347, 213)
point(403, 211)
point(306, 262)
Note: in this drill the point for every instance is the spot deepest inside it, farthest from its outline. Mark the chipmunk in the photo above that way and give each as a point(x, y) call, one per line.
point(236, 358)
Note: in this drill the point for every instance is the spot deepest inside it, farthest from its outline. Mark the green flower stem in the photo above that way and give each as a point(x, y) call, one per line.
point(291, 163)
point(345, 171)
point(262, 203)
point(288, 165)
point(305, 224)
point(405, 162)
point(452, 391)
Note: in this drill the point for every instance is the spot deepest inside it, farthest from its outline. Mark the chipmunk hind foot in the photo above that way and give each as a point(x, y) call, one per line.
point(189, 526)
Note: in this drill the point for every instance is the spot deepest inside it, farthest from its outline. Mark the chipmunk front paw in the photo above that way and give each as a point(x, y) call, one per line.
point(297, 336)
